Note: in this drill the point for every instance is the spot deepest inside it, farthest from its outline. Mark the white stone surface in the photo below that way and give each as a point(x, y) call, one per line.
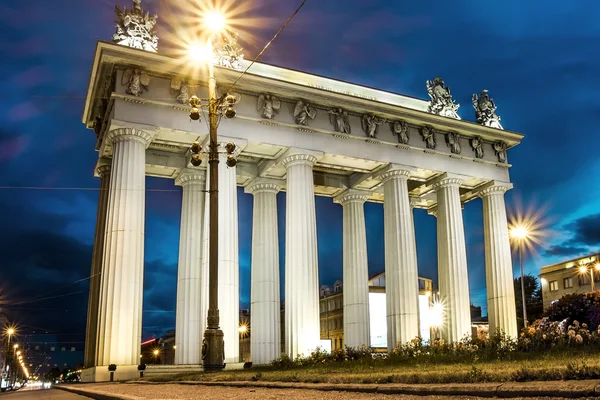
point(265, 337)
point(91, 331)
point(229, 280)
point(120, 328)
point(302, 321)
point(498, 263)
point(401, 273)
point(188, 333)
point(452, 261)
point(356, 269)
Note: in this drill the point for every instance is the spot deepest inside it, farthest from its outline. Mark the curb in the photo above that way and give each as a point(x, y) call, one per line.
point(93, 394)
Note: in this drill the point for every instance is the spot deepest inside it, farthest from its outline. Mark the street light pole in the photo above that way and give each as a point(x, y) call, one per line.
point(522, 282)
point(213, 346)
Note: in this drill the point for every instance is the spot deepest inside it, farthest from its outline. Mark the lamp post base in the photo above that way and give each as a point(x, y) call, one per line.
point(213, 350)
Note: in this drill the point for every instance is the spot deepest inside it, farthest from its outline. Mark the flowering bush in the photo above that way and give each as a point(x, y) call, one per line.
point(582, 307)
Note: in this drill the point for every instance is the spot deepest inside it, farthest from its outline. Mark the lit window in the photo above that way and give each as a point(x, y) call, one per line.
point(553, 286)
point(568, 282)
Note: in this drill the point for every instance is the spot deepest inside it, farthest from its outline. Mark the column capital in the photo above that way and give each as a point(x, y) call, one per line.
point(191, 176)
point(351, 196)
point(103, 170)
point(493, 188)
point(298, 159)
point(447, 181)
point(433, 211)
point(395, 174)
point(260, 185)
point(125, 134)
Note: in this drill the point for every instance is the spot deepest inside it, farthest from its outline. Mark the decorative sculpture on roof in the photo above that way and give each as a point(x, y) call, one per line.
point(485, 110)
point(441, 102)
point(303, 112)
point(229, 54)
point(428, 136)
point(268, 105)
point(136, 29)
point(453, 141)
point(400, 129)
point(339, 119)
point(182, 87)
point(370, 124)
point(477, 145)
point(137, 81)
point(500, 149)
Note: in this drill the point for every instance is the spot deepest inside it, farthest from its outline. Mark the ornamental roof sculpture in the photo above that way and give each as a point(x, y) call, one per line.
point(136, 29)
point(485, 110)
point(229, 54)
point(441, 102)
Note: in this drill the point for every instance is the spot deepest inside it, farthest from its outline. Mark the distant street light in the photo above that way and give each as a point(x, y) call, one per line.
point(584, 269)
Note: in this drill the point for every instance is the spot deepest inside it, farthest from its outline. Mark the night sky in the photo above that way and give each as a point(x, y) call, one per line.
point(538, 59)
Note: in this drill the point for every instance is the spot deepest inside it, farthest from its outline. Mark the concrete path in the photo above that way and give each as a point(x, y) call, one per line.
point(308, 391)
point(41, 394)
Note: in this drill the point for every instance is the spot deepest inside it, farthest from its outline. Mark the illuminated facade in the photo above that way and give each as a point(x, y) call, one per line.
point(572, 276)
point(308, 136)
point(332, 312)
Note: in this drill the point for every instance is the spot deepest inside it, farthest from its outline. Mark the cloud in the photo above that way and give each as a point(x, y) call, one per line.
point(585, 233)
point(565, 250)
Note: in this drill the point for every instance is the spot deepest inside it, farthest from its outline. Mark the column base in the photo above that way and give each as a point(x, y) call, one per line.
point(213, 350)
point(102, 374)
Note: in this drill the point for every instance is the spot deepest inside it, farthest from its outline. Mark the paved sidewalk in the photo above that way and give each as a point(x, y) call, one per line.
point(308, 391)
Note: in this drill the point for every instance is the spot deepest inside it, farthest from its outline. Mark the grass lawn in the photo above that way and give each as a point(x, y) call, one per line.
point(522, 367)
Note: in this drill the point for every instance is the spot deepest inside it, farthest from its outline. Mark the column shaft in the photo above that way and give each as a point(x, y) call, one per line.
point(120, 328)
point(498, 264)
point(229, 286)
point(356, 269)
point(302, 334)
point(188, 333)
point(265, 338)
point(401, 272)
point(452, 261)
point(91, 332)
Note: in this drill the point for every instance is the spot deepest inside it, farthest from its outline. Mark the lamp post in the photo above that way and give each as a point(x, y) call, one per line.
point(213, 346)
point(584, 269)
point(520, 234)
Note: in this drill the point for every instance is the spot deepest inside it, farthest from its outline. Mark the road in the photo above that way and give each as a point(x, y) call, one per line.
point(39, 394)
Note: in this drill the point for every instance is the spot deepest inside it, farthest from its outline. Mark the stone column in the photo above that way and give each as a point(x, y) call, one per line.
point(229, 280)
point(452, 261)
point(302, 330)
point(498, 263)
point(265, 340)
point(356, 269)
point(188, 336)
point(401, 273)
point(91, 331)
point(120, 330)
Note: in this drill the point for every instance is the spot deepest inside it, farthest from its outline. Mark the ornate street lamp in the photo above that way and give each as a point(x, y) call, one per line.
point(520, 234)
point(213, 347)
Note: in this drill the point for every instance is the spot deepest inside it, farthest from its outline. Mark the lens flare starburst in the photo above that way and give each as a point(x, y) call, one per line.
point(528, 227)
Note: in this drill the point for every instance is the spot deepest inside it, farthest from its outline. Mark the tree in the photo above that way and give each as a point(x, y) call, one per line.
point(533, 299)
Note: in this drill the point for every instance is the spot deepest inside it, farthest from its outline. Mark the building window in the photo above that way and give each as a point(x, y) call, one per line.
point(584, 279)
point(553, 286)
point(568, 282)
point(421, 284)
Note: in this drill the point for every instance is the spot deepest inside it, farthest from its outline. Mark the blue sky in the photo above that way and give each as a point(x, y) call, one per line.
point(538, 60)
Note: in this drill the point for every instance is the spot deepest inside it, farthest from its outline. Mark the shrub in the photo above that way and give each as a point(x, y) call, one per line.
point(582, 307)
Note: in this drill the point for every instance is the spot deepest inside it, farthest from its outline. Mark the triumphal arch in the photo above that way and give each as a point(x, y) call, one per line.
point(308, 136)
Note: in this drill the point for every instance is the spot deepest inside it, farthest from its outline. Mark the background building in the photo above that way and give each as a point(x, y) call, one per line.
point(332, 311)
point(572, 276)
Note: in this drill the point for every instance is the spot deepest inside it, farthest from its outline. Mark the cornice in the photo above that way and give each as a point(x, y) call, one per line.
point(299, 159)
